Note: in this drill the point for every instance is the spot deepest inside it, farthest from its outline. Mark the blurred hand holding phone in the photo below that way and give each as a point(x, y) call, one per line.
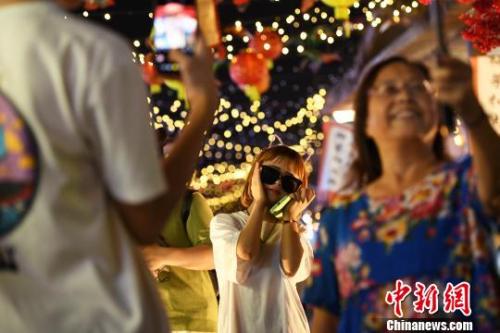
point(175, 27)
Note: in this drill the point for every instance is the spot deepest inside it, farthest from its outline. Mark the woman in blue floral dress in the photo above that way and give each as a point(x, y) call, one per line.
point(411, 240)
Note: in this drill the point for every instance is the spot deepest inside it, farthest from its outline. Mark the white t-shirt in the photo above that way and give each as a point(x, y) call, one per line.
point(256, 296)
point(68, 265)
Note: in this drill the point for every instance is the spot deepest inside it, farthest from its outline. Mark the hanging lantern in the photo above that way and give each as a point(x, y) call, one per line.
point(264, 83)
point(267, 42)
point(97, 4)
point(341, 7)
point(248, 68)
point(253, 92)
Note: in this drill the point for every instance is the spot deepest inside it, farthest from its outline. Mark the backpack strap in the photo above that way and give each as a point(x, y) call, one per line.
point(186, 209)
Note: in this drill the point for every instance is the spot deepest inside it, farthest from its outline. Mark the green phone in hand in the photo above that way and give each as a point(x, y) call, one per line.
point(277, 209)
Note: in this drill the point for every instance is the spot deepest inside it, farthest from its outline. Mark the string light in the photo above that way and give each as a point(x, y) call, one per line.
point(253, 119)
point(292, 20)
point(314, 105)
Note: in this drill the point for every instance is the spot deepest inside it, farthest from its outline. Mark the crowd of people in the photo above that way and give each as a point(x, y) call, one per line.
point(99, 232)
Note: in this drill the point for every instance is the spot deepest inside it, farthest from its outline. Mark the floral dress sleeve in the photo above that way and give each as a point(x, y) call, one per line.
point(469, 195)
point(323, 289)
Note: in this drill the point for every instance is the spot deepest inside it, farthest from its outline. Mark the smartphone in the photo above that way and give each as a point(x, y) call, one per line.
point(175, 26)
point(277, 209)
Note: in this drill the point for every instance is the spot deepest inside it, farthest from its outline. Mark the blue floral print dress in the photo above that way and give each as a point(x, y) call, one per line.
point(436, 232)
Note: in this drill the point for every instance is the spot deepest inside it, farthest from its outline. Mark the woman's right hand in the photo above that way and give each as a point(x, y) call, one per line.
point(197, 75)
point(256, 188)
point(301, 199)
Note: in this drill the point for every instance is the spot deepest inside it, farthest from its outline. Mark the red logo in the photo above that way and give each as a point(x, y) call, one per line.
point(427, 298)
point(457, 298)
point(397, 296)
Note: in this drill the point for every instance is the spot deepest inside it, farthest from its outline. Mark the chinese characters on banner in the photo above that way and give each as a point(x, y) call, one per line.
point(336, 158)
point(487, 86)
point(454, 298)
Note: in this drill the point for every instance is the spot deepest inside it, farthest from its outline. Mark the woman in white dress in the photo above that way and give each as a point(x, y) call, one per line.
point(259, 258)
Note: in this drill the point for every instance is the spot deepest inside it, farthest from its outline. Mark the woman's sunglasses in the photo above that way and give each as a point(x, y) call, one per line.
point(270, 175)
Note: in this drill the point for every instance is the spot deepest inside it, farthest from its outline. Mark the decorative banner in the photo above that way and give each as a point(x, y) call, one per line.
point(487, 86)
point(208, 21)
point(337, 156)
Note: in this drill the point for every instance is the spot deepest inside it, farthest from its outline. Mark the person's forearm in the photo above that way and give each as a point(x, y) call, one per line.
point(182, 161)
point(248, 246)
point(195, 258)
point(291, 249)
point(485, 146)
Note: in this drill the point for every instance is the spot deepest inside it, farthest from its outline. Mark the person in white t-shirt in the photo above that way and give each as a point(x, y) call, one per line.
point(259, 258)
point(81, 182)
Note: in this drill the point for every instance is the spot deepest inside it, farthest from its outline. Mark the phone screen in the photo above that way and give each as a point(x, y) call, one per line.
point(175, 26)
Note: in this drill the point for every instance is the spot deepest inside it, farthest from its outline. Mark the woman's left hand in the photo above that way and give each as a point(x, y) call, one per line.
point(452, 82)
point(300, 200)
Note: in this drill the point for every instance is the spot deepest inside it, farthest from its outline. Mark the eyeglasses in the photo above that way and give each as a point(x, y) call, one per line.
point(269, 175)
point(392, 88)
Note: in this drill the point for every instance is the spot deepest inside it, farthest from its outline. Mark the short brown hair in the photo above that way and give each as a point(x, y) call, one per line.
point(279, 152)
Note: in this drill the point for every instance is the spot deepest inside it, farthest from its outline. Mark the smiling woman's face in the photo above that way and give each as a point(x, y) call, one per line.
point(401, 105)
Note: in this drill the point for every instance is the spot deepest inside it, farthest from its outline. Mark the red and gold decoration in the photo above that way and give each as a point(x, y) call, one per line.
point(208, 19)
point(482, 23)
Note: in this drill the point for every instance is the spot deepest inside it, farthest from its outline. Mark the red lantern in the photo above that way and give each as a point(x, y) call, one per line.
point(241, 2)
point(264, 83)
point(248, 68)
point(267, 42)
